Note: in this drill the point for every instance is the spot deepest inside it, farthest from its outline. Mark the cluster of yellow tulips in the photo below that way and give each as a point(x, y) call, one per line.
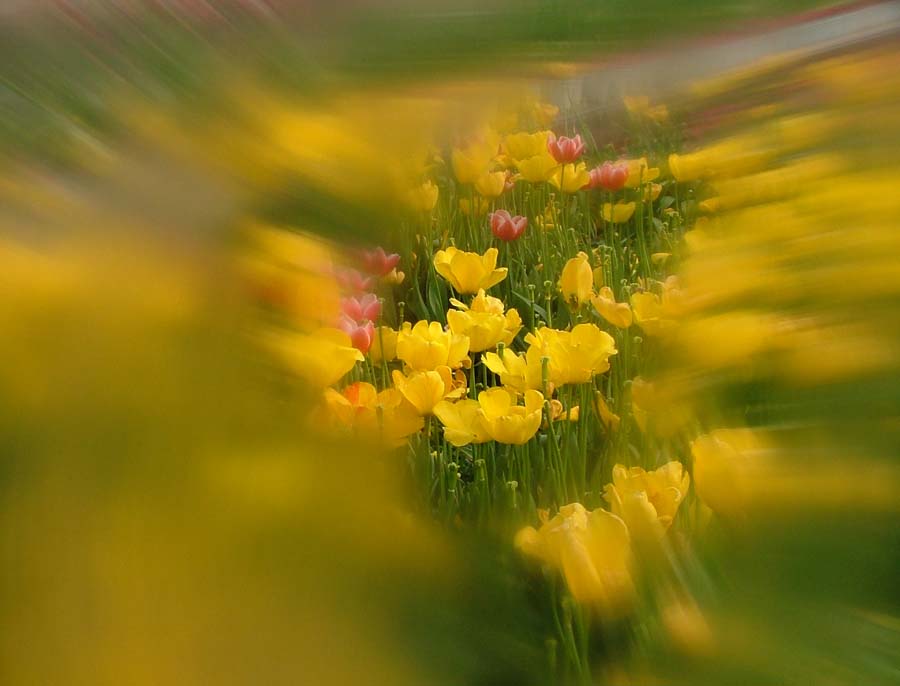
point(564, 319)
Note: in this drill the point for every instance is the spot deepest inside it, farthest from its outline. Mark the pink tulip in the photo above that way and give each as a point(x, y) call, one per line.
point(378, 262)
point(610, 175)
point(361, 335)
point(366, 308)
point(506, 227)
point(565, 150)
point(352, 281)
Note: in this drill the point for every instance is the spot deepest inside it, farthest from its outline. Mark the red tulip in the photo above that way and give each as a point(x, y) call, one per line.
point(610, 175)
point(565, 150)
point(378, 262)
point(366, 308)
point(361, 335)
point(506, 227)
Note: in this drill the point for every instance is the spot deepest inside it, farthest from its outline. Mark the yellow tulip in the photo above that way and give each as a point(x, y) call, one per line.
point(322, 358)
point(570, 178)
point(661, 407)
point(652, 192)
point(463, 422)
point(507, 422)
point(577, 280)
point(481, 206)
point(560, 413)
point(484, 322)
point(513, 371)
point(360, 407)
point(617, 314)
point(610, 420)
point(575, 356)
point(397, 418)
point(423, 198)
point(384, 345)
point(651, 314)
point(424, 390)
point(647, 501)
point(619, 213)
point(471, 162)
point(468, 272)
point(640, 172)
point(491, 184)
point(291, 271)
point(394, 277)
point(523, 146)
point(545, 113)
point(593, 552)
point(352, 407)
point(688, 167)
point(426, 346)
point(539, 168)
point(710, 205)
point(598, 276)
point(728, 465)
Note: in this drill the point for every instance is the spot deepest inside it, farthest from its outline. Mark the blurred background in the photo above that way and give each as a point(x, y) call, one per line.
point(168, 515)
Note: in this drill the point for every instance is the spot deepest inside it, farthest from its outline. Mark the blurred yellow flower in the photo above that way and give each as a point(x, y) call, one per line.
point(384, 345)
point(322, 358)
point(710, 205)
point(610, 420)
point(397, 418)
point(507, 422)
point(491, 184)
point(427, 346)
point(639, 172)
point(481, 206)
point(652, 191)
point(463, 422)
point(651, 314)
point(617, 314)
point(539, 168)
point(484, 322)
point(660, 407)
point(469, 272)
point(647, 501)
point(619, 213)
point(471, 162)
point(577, 280)
point(593, 552)
point(727, 463)
point(545, 113)
point(570, 178)
point(423, 198)
point(292, 271)
point(639, 106)
point(688, 167)
point(424, 390)
point(523, 146)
